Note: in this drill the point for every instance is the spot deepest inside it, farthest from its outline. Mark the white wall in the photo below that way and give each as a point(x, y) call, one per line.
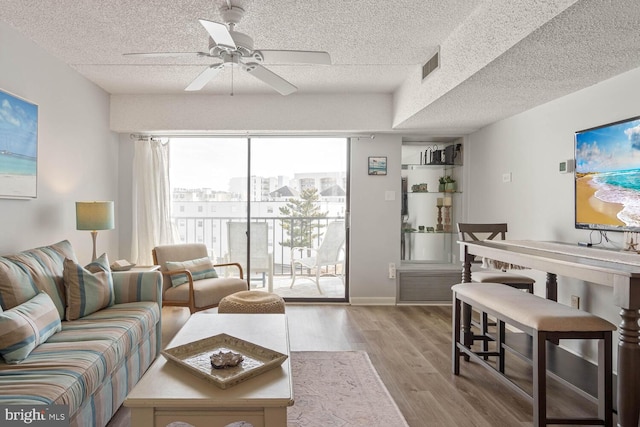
point(538, 203)
point(77, 153)
point(375, 222)
point(241, 114)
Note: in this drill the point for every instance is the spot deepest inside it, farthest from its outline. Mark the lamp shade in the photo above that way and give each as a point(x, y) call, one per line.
point(94, 216)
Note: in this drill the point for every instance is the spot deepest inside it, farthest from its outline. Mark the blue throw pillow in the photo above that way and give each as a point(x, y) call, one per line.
point(24, 327)
point(88, 289)
point(201, 268)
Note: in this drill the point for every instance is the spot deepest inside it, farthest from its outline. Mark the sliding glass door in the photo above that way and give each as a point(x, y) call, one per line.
point(282, 200)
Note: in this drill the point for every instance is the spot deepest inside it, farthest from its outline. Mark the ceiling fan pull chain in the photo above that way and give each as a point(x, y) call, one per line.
point(232, 80)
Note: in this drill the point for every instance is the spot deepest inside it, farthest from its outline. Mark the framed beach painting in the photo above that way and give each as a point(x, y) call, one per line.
point(377, 165)
point(18, 147)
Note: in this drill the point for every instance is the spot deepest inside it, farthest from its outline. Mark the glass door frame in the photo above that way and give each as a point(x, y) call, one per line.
point(345, 297)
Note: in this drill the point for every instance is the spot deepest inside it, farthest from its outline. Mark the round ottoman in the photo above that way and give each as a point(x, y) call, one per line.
point(251, 302)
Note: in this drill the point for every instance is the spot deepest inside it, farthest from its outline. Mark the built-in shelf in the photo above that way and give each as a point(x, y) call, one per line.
point(430, 165)
point(434, 192)
point(436, 233)
point(430, 261)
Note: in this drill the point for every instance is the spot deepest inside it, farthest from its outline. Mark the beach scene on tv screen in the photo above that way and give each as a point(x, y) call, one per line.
point(608, 175)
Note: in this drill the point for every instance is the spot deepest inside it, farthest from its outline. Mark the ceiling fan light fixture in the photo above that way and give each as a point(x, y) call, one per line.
point(244, 45)
point(231, 15)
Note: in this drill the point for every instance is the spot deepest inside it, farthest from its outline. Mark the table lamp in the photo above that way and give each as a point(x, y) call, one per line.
point(94, 216)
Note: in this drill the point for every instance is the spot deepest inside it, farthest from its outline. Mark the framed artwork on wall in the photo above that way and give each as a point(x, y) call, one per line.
point(377, 165)
point(18, 147)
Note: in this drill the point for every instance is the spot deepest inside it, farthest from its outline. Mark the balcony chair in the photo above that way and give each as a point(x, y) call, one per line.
point(189, 263)
point(330, 252)
point(261, 259)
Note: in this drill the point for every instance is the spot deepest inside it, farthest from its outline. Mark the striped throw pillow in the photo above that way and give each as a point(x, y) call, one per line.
point(201, 268)
point(88, 289)
point(25, 326)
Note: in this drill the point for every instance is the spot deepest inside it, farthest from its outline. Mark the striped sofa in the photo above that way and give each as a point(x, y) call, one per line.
point(89, 364)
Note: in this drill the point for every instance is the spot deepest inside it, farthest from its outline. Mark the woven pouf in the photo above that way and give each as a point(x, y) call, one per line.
point(251, 302)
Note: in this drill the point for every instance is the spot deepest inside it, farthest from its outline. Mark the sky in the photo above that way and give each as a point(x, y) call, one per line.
point(18, 125)
point(211, 162)
point(609, 148)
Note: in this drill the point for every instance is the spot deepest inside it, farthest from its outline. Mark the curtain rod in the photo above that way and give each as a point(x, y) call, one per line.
point(141, 137)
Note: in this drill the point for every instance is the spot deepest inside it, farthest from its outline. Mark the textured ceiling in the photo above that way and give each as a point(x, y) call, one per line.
point(499, 57)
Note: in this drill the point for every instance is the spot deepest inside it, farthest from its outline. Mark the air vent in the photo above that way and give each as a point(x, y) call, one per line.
point(431, 65)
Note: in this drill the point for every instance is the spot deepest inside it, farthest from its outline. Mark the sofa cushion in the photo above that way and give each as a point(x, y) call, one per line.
point(201, 268)
point(125, 324)
point(88, 289)
point(25, 327)
point(207, 292)
point(25, 274)
point(63, 373)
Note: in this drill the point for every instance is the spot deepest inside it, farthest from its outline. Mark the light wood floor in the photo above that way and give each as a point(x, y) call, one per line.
point(410, 347)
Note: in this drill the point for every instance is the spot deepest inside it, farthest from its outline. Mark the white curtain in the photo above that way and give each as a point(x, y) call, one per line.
point(151, 200)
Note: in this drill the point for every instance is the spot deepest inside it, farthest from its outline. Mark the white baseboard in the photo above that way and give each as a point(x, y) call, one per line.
point(372, 301)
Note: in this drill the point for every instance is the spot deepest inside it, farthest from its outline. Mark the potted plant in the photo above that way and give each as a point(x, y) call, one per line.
point(450, 185)
point(442, 181)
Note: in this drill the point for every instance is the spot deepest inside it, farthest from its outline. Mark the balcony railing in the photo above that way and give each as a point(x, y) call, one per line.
point(213, 232)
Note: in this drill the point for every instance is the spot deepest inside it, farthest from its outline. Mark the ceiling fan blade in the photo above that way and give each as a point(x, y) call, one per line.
point(167, 54)
point(219, 33)
point(270, 78)
point(293, 57)
point(204, 77)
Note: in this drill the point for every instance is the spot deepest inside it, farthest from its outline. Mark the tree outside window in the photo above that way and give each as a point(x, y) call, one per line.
point(302, 227)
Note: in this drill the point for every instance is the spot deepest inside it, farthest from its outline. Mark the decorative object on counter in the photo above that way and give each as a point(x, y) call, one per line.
point(450, 185)
point(433, 156)
point(439, 226)
point(631, 242)
point(430, 229)
point(442, 181)
point(225, 359)
point(421, 228)
point(439, 201)
point(419, 188)
point(447, 215)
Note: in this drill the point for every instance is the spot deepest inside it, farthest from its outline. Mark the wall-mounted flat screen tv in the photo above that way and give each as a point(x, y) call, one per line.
point(607, 176)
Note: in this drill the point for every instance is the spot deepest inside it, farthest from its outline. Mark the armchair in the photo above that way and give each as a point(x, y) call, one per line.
point(199, 293)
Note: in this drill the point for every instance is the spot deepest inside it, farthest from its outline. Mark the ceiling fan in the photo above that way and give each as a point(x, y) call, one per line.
point(235, 49)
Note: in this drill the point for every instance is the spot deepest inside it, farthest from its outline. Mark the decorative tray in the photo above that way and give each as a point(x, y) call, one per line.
point(195, 357)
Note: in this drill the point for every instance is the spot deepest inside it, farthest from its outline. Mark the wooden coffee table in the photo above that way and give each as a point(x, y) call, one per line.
point(167, 393)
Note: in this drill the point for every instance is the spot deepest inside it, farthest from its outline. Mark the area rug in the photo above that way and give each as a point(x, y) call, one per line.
point(340, 389)
point(331, 389)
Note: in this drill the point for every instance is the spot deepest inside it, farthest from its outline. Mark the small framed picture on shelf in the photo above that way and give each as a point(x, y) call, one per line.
point(377, 165)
